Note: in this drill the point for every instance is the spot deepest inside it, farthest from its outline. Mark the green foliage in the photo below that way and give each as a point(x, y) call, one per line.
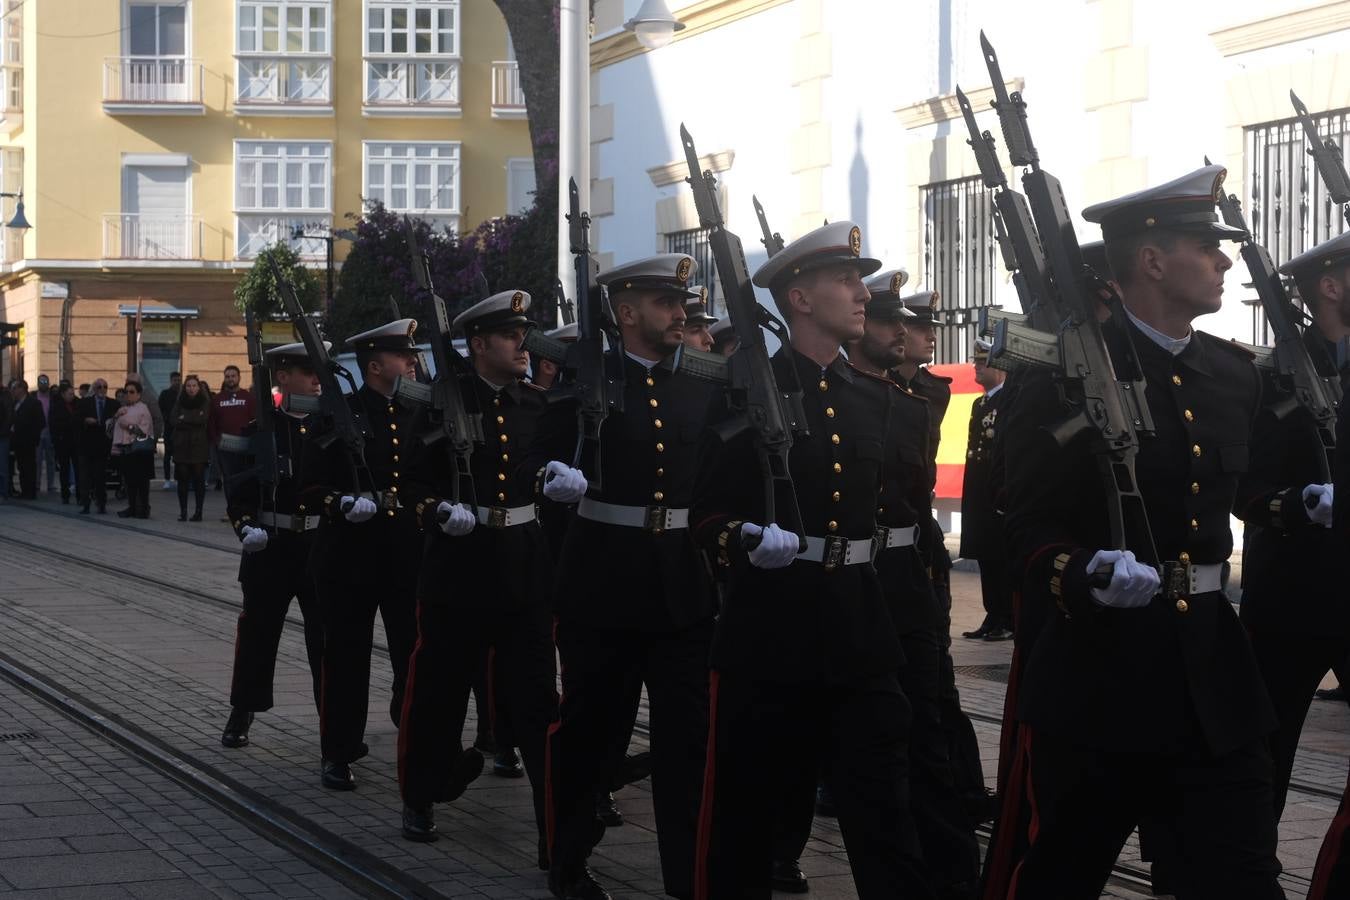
point(257, 290)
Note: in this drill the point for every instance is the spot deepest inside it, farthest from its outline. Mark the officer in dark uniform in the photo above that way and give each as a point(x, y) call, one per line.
point(497, 559)
point(920, 342)
point(276, 530)
point(698, 322)
point(951, 854)
point(632, 599)
point(368, 551)
point(982, 537)
point(806, 654)
point(1295, 604)
point(1140, 703)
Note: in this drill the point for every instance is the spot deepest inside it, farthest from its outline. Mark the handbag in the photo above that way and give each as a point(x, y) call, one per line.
point(141, 445)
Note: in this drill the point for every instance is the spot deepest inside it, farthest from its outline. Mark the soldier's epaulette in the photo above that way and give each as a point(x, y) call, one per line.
point(533, 386)
point(886, 380)
point(1234, 347)
point(933, 375)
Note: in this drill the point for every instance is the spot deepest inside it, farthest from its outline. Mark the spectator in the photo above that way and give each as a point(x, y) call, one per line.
point(6, 425)
point(95, 412)
point(149, 400)
point(167, 398)
point(189, 449)
point(86, 389)
point(231, 411)
point(46, 452)
point(63, 421)
point(133, 446)
point(29, 422)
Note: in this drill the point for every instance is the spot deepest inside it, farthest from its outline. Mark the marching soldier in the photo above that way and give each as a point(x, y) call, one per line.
point(1294, 604)
point(276, 530)
point(1122, 653)
point(631, 597)
point(723, 337)
point(497, 559)
point(546, 370)
point(982, 537)
point(367, 552)
point(805, 655)
point(951, 854)
point(698, 323)
point(913, 373)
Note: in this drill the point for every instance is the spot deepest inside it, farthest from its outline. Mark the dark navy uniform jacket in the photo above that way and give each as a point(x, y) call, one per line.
point(1182, 666)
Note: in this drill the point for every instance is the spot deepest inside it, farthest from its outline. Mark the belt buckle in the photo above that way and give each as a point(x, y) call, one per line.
point(880, 538)
point(496, 517)
point(1177, 580)
point(655, 520)
point(836, 548)
point(297, 522)
point(388, 501)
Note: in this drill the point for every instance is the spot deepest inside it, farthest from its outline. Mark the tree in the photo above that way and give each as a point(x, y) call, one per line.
point(535, 37)
point(257, 290)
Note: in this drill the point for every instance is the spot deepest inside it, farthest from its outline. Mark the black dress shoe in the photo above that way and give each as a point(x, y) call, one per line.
point(1336, 693)
point(462, 773)
point(506, 764)
point(788, 877)
point(607, 811)
point(236, 728)
point(124, 513)
point(575, 883)
point(998, 634)
point(84, 510)
point(337, 776)
point(825, 802)
point(419, 824)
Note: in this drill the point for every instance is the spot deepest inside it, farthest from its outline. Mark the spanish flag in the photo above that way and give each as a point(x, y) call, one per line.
point(951, 459)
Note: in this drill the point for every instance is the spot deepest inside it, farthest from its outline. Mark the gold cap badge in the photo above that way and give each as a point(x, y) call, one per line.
point(855, 240)
point(517, 302)
point(682, 270)
point(897, 282)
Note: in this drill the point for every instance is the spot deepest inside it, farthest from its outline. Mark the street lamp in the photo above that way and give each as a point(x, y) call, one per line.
point(20, 221)
point(327, 235)
point(654, 25)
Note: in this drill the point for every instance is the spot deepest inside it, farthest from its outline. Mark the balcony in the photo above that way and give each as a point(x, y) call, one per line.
point(136, 236)
point(152, 85)
point(508, 100)
point(284, 85)
point(258, 231)
point(412, 88)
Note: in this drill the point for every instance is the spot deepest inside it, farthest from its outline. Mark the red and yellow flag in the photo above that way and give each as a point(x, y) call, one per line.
point(955, 428)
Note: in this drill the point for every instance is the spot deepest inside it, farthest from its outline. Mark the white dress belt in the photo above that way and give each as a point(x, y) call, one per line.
point(1205, 577)
point(505, 516)
point(897, 537)
point(288, 523)
point(833, 552)
point(648, 518)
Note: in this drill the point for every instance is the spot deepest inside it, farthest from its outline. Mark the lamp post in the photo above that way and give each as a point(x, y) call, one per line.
point(328, 236)
point(655, 27)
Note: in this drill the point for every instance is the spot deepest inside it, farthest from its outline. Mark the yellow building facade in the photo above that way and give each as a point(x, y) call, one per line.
point(160, 145)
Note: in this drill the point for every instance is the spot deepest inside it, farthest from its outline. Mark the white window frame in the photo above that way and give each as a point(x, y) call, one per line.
point(187, 28)
point(255, 216)
point(282, 79)
point(406, 78)
point(11, 54)
point(375, 153)
point(514, 165)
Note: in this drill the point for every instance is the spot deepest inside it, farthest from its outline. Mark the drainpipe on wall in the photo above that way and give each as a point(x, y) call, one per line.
point(65, 357)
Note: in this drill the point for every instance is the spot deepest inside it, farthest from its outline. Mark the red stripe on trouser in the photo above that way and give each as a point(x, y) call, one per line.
point(409, 692)
point(1034, 826)
point(703, 837)
point(999, 872)
point(1333, 846)
point(550, 817)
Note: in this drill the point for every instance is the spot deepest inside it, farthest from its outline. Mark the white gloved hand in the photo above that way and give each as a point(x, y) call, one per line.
point(358, 509)
point(563, 484)
point(1318, 498)
point(777, 548)
point(455, 518)
point(1133, 583)
point(254, 539)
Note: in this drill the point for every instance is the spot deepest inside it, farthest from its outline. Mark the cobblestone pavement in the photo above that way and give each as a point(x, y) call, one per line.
point(81, 818)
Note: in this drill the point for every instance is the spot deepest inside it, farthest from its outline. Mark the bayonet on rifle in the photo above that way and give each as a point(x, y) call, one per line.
point(754, 390)
point(1327, 155)
point(772, 240)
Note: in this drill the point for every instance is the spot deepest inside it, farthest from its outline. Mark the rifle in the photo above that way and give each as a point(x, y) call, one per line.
point(1327, 155)
point(1299, 382)
point(760, 404)
point(1018, 243)
point(772, 240)
point(1111, 409)
point(597, 386)
point(565, 308)
point(344, 423)
point(450, 418)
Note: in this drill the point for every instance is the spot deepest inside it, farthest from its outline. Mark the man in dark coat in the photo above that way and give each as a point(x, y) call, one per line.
point(94, 412)
point(29, 423)
point(982, 537)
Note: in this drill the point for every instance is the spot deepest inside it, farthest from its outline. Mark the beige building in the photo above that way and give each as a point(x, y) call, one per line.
point(160, 145)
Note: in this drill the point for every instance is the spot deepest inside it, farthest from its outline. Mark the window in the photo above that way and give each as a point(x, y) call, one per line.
point(157, 29)
point(421, 179)
point(520, 185)
point(695, 243)
point(13, 33)
point(959, 258)
point(11, 181)
point(1287, 205)
point(412, 52)
point(154, 222)
point(280, 186)
point(283, 52)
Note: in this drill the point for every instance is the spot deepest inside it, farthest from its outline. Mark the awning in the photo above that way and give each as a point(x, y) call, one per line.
point(128, 311)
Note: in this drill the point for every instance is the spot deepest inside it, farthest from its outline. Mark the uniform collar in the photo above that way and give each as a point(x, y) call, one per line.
point(1172, 345)
point(1193, 356)
point(838, 367)
point(994, 390)
point(647, 364)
